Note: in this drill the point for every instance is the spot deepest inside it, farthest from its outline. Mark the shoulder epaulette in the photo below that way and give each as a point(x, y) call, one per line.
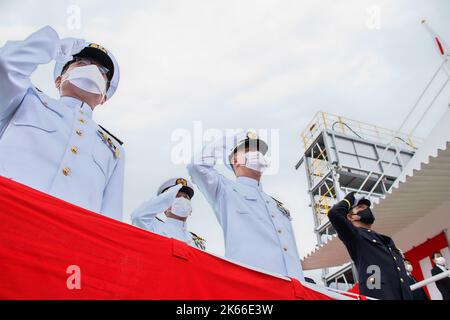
point(117, 139)
point(196, 236)
point(280, 206)
point(199, 241)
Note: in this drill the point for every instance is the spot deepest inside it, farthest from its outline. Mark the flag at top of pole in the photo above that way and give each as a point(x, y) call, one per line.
point(440, 45)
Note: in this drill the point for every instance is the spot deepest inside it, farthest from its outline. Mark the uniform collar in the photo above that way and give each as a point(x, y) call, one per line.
point(79, 105)
point(176, 222)
point(249, 182)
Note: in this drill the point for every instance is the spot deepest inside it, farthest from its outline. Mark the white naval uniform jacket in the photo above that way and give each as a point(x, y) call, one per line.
point(54, 145)
point(145, 217)
point(257, 230)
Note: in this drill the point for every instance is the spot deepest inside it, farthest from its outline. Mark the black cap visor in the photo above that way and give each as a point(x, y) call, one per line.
point(99, 56)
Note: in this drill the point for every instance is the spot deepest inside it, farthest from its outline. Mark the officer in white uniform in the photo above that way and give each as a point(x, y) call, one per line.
point(54, 145)
point(173, 199)
point(257, 228)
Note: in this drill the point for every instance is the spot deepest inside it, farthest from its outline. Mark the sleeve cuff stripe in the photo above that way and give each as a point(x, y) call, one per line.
point(348, 202)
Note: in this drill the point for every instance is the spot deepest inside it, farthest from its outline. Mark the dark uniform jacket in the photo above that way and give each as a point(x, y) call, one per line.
point(443, 285)
point(368, 248)
point(418, 294)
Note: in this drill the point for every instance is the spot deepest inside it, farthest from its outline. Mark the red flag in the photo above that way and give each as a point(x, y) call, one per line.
point(51, 249)
point(442, 49)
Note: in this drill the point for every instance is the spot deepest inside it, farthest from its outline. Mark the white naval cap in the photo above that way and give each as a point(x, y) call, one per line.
point(98, 53)
point(187, 186)
point(244, 139)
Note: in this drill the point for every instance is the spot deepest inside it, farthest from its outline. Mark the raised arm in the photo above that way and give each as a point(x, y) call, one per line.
point(338, 218)
point(203, 173)
point(18, 60)
point(144, 216)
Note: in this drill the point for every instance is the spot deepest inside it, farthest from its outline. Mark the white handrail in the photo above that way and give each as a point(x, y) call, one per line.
point(410, 133)
point(332, 293)
point(356, 295)
point(432, 279)
point(443, 67)
point(434, 99)
point(404, 122)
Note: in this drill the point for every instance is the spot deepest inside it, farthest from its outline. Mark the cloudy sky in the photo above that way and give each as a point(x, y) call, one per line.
point(263, 64)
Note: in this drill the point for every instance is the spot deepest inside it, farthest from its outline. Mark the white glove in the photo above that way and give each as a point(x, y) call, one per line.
point(67, 48)
point(157, 204)
point(168, 197)
point(210, 153)
point(229, 143)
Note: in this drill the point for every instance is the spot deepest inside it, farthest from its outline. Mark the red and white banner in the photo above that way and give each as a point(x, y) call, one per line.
point(50, 249)
point(420, 258)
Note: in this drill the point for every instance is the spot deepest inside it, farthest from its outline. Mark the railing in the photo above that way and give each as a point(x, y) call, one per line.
point(430, 280)
point(324, 204)
point(318, 170)
point(442, 67)
point(415, 286)
point(331, 292)
point(326, 121)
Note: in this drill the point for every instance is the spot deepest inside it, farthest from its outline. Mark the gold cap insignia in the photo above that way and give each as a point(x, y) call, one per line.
point(181, 181)
point(96, 46)
point(252, 135)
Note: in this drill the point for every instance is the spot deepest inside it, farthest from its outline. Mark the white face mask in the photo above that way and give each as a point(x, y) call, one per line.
point(408, 267)
point(440, 261)
point(87, 78)
point(181, 207)
point(256, 161)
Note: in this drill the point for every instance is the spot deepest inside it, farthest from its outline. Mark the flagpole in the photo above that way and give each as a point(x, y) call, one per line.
point(441, 46)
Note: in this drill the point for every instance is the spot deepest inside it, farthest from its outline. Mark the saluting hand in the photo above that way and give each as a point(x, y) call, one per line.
point(354, 197)
point(350, 197)
point(67, 47)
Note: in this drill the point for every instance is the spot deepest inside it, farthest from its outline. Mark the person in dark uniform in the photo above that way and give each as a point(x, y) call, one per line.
point(418, 294)
point(379, 264)
point(444, 284)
